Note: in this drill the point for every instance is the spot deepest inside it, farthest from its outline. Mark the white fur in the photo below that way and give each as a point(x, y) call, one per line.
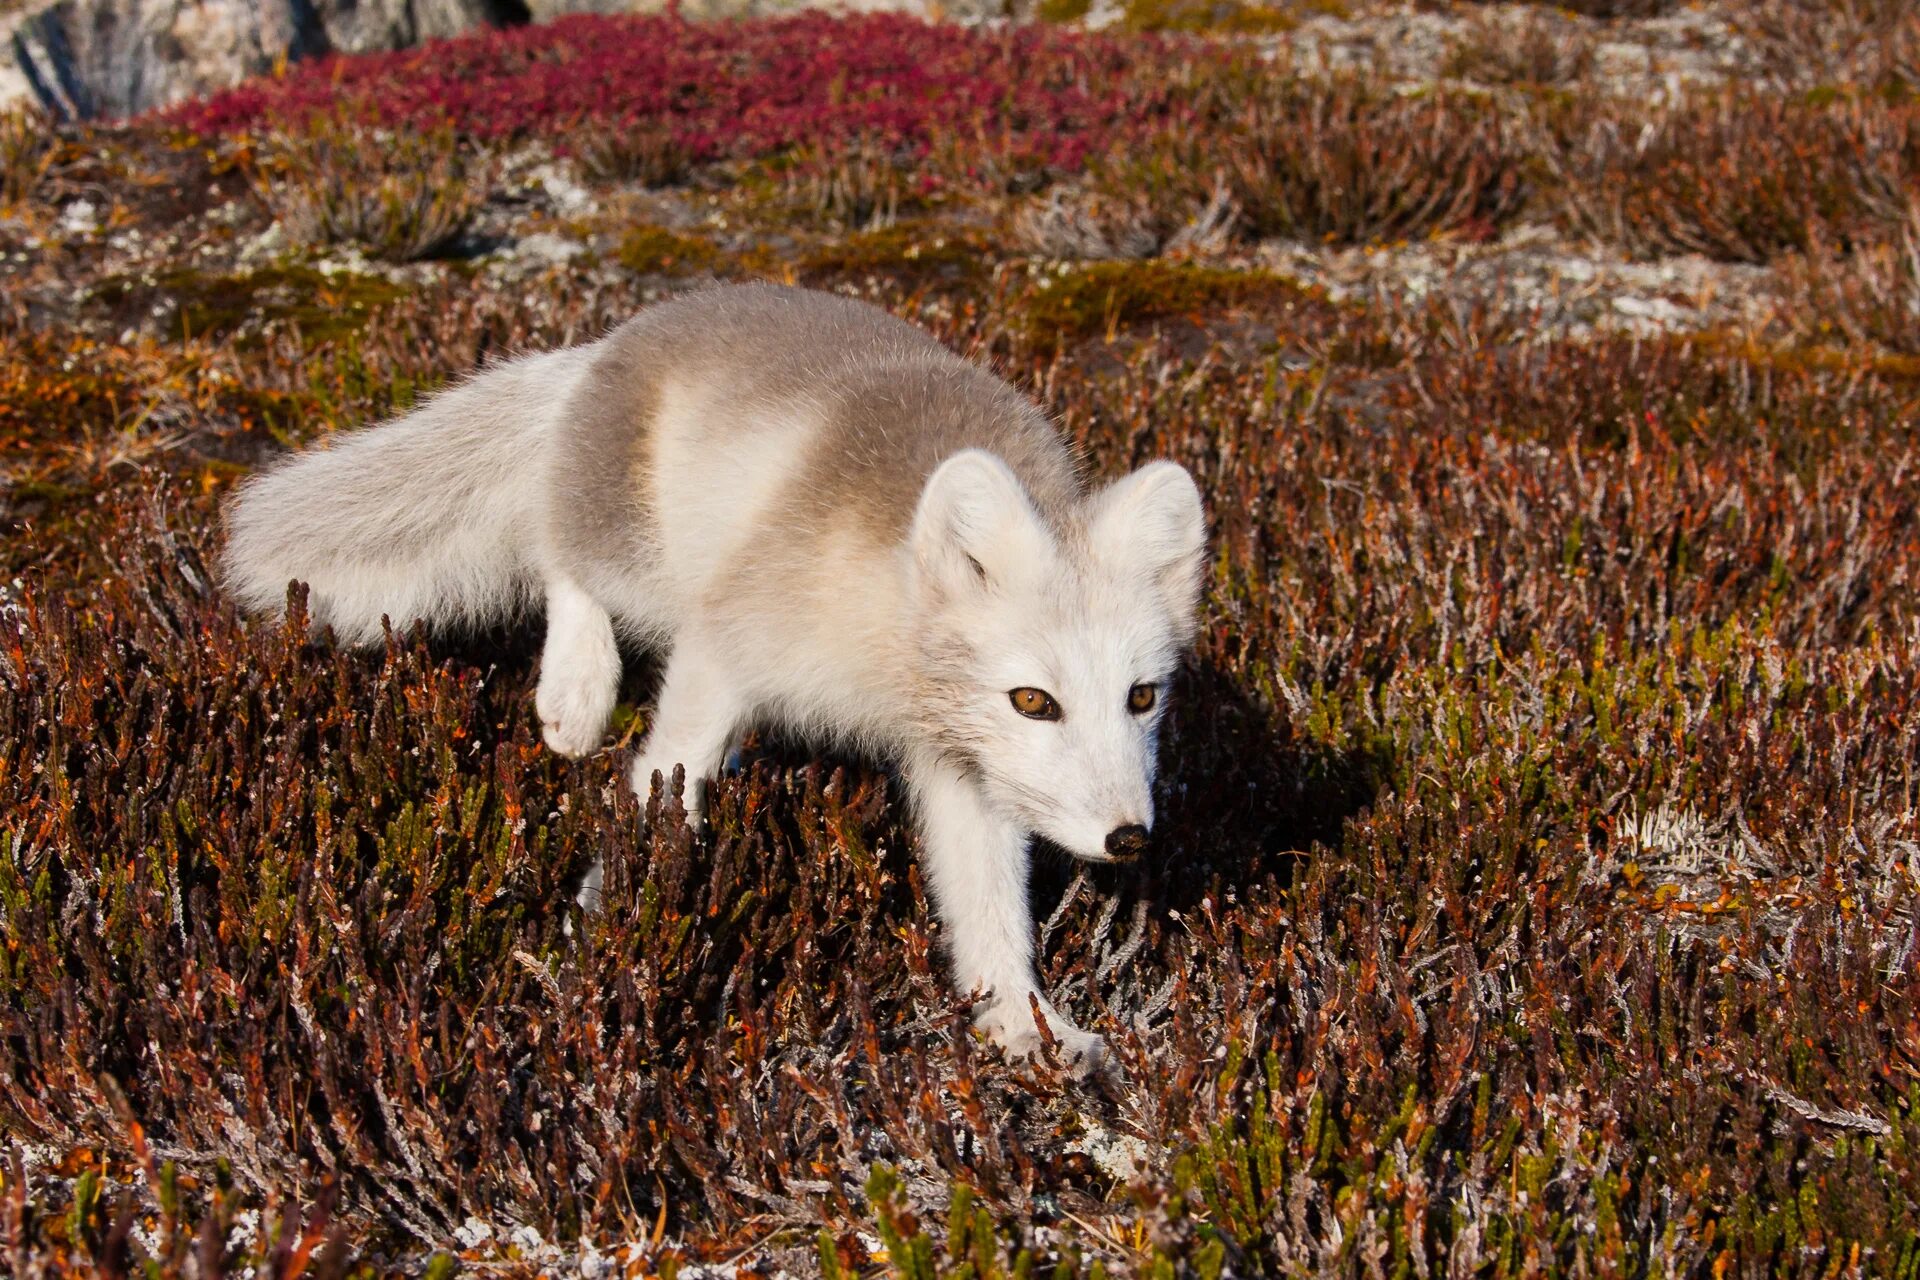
point(976, 860)
point(774, 606)
point(579, 671)
point(454, 552)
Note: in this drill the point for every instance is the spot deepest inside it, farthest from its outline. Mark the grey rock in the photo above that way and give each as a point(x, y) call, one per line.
point(361, 26)
point(87, 59)
point(544, 9)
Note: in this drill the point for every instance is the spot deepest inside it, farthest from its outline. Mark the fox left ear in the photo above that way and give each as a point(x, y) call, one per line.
point(1151, 523)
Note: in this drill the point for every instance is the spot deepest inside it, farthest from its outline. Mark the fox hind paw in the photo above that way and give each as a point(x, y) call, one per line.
point(573, 713)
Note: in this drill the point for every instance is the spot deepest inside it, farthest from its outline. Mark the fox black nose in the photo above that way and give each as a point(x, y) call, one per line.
point(1126, 842)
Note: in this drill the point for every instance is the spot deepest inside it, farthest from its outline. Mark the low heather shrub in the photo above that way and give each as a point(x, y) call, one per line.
point(1090, 226)
point(1163, 191)
point(188, 1226)
point(1815, 44)
point(399, 195)
point(1733, 176)
point(1869, 296)
point(1223, 16)
point(639, 151)
point(857, 182)
point(26, 152)
point(1347, 160)
point(1545, 768)
point(1608, 9)
point(1534, 885)
point(1157, 194)
point(1532, 48)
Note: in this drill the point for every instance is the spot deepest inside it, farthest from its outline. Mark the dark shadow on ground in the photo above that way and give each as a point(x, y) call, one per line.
point(1244, 794)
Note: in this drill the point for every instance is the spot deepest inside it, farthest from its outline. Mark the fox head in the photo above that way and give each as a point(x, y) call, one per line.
point(1047, 647)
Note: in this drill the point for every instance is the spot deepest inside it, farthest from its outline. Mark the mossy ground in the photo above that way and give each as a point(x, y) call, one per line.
point(648, 250)
point(190, 303)
point(1535, 878)
point(1070, 304)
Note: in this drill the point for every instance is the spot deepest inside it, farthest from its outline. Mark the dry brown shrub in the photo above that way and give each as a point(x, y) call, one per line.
point(1348, 160)
point(1534, 891)
point(1094, 226)
point(1869, 296)
point(1882, 164)
point(1162, 193)
point(638, 152)
point(1610, 9)
point(1521, 48)
point(856, 182)
point(1088, 225)
point(1735, 176)
point(26, 153)
point(1547, 760)
point(1805, 44)
point(1605, 10)
point(398, 195)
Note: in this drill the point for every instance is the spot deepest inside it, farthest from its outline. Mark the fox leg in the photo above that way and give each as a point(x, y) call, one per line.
point(579, 671)
point(976, 863)
point(694, 722)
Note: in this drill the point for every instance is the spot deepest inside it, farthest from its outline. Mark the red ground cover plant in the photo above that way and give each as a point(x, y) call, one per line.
point(731, 89)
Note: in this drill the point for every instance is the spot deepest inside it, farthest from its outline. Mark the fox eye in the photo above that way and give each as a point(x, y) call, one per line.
point(1034, 704)
point(1140, 698)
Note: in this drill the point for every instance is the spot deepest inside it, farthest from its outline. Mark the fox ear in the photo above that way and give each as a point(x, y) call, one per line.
point(975, 524)
point(1151, 523)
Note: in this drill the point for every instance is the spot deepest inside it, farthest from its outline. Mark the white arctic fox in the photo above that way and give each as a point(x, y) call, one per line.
point(828, 522)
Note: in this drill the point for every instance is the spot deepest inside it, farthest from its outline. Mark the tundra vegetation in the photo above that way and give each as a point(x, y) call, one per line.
point(1534, 890)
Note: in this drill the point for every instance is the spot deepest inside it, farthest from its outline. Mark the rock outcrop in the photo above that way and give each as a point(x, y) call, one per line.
point(102, 58)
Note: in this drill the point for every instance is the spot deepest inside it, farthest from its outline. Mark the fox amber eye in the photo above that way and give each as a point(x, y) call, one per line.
point(1035, 704)
point(1140, 699)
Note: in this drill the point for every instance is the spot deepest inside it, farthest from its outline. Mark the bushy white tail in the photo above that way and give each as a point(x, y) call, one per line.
point(430, 516)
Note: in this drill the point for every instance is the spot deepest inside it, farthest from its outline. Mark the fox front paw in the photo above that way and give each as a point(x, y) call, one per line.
point(573, 712)
point(1011, 1026)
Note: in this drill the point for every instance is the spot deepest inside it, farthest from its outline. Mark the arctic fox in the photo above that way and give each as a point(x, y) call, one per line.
point(828, 522)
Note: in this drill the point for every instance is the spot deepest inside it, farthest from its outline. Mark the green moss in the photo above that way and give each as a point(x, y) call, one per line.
point(1814, 357)
point(1063, 10)
point(658, 251)
point(324, 306)
point(904, 249)
point(1106, 296)
point(1224, 15)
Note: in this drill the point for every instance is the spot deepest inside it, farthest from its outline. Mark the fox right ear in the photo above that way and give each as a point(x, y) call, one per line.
point(975, 524)
point(1152, 522)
